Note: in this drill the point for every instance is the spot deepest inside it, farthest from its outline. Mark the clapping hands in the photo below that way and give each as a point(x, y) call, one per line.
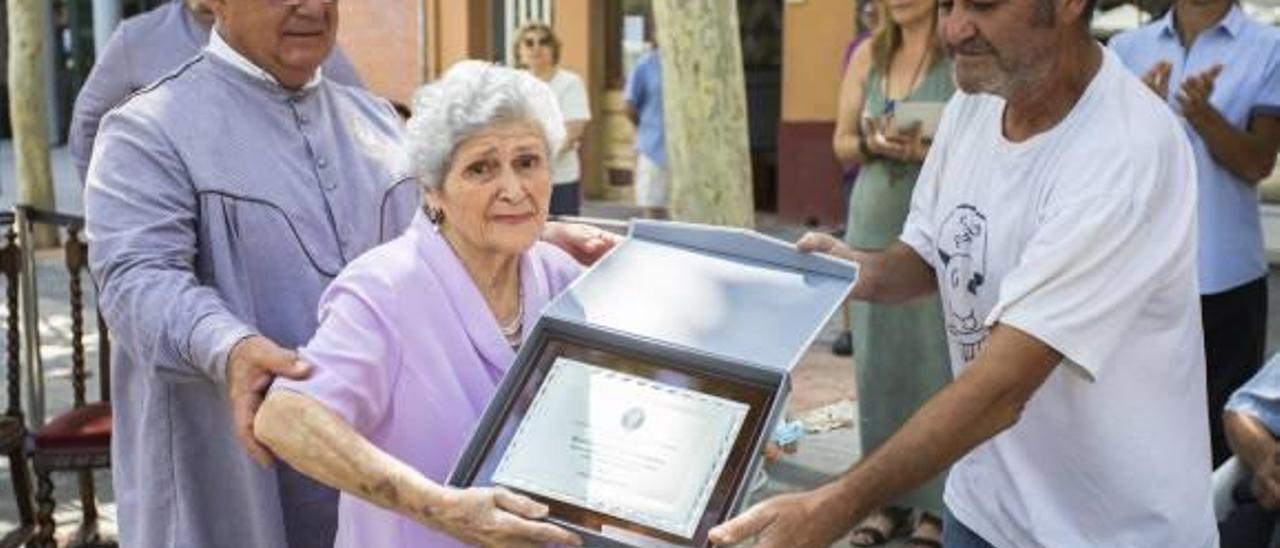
point(1193, 94)
point(1193, 98)
point(1157, 78)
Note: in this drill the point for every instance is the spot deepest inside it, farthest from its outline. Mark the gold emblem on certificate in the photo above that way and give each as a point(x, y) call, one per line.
point(622, 445)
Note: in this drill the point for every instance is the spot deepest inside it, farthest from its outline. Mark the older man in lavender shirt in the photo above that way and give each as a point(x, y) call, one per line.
point(142, 50)
point(221, 200)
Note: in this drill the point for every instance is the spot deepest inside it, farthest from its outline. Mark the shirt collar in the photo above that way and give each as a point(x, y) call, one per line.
point(197, 31)
point(1232, 23)
point(1166, 26)
point(219, 47)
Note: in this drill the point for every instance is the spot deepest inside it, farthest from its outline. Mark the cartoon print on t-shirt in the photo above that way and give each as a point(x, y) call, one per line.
point(962, 248)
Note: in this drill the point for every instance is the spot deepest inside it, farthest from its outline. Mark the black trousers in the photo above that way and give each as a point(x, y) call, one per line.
point(566, 199)
point(1249, 525)
point(1235, 333)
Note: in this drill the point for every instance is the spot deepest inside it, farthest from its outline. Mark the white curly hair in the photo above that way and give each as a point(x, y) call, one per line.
point(471, 97)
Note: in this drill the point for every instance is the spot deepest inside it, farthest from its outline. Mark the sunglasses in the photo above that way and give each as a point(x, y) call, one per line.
point(535, 42)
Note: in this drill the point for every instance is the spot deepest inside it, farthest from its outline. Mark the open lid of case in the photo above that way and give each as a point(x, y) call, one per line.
point(731, 292)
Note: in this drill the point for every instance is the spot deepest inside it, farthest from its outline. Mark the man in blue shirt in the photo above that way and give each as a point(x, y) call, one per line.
point(1252, 420)
point(1220, 71)
point(644, 107)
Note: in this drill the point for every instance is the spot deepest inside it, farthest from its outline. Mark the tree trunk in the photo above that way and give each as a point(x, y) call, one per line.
point(27, 105)
point(704, 95)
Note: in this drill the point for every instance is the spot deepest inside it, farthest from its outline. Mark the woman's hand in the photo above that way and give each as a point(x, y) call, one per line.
point(585, 243)
point(887, 140)
point(319, 443)
point(495, 517)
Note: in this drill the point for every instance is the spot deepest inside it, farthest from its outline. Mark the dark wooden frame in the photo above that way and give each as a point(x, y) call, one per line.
point(13, 432)
point(83, 461)
point(759, 397)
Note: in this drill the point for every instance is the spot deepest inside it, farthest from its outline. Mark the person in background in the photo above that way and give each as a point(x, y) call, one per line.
point(538, 51)
point(1219, 70)
point(1251, 480)
point(868, 18)
point(901, 349)
point(144, 48)
point(644, 109)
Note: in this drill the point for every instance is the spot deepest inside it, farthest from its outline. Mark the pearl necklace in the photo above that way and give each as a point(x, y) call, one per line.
point(511, 331)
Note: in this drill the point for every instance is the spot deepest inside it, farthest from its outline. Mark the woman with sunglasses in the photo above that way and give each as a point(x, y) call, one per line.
point(537, 50)
point(900, 351)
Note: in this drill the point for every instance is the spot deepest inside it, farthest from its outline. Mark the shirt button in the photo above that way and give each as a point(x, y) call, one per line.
point(322, 163)
point(304, 119)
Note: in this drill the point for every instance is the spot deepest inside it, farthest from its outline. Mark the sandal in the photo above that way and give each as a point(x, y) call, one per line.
point(926, 531)
point(880, 526)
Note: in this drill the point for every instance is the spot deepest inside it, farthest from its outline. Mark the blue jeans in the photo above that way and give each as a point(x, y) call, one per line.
point(957, 535)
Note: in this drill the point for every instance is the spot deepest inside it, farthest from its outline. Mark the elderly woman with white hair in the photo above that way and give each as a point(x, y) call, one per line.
point(416, 334)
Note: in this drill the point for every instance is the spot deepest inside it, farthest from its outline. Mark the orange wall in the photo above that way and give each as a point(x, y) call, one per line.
point(382, 37)
point(460, 31)
point(814, 35)
point(573, 25)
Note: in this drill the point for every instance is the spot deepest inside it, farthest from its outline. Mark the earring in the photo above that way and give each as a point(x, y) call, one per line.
point(435, 215)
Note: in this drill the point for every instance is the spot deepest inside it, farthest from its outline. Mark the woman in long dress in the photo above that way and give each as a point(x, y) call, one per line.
point(900, 351)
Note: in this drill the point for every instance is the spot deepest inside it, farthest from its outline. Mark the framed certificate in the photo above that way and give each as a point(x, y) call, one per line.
point(639, 405)
point(623, 445)
point(615, 439)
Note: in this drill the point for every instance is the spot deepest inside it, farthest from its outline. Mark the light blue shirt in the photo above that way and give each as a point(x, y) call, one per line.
point(644, 94)
point(1230, 242)
point(1260, 397)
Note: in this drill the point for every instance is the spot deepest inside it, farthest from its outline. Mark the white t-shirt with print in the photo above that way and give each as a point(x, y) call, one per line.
point(1085, 238)
point(571, 93)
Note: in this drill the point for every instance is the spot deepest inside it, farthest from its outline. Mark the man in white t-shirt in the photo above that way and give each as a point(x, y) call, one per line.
point(1056, 214)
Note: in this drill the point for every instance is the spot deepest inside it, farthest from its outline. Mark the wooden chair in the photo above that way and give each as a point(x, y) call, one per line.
point(13, 432)
point(78, 440)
